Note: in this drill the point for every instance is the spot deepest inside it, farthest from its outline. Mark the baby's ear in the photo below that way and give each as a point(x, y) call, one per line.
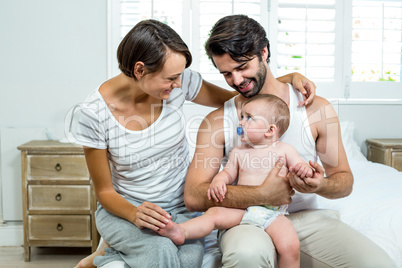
point(271, 131)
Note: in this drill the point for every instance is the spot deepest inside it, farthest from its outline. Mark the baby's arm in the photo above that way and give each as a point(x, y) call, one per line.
point(217, 188)
point(301, 167)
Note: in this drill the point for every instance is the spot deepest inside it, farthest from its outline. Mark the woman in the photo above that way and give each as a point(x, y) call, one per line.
point(133, 132)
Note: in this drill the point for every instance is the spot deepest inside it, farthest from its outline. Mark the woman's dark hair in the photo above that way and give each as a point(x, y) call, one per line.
point(240, 36)
point(149, 42)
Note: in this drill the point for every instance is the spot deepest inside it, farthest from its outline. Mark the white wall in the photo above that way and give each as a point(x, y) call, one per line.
point(372, 120)
point(53, 53)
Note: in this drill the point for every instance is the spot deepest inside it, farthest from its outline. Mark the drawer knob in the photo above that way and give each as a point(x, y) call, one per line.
point(58, 197)
point(58, 167)
point(59, 227)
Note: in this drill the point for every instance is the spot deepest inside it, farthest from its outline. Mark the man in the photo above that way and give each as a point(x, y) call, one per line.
point(239, 48)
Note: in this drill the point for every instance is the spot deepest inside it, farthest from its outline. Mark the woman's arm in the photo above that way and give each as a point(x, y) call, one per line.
point(146, 215)
point(214, 96)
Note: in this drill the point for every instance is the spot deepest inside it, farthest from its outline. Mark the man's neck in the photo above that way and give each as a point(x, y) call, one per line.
point(275, 87)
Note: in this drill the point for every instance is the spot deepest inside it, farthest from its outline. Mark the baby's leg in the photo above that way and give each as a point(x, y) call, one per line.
point(88, 261)
point(214, 218)
point(286, 242)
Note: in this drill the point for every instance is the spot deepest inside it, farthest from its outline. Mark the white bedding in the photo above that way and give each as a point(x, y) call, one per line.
point(374, 207)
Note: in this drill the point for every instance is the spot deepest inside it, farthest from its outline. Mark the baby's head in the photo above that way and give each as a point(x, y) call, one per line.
point(264, 116)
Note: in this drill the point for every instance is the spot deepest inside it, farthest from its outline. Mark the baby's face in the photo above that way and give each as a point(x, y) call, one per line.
point(254, 123)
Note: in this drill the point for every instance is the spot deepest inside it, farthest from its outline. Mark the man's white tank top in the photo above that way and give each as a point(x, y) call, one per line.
point(298, 135)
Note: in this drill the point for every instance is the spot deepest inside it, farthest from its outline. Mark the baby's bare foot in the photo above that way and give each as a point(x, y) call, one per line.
point(173, 231)
point(88, 261)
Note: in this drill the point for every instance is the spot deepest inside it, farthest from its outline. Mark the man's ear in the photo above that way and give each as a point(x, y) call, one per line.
point(264, 53)
point(271, 131)
point(139, 69)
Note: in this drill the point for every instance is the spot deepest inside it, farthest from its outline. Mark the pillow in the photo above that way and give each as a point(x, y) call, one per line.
point(353, 151)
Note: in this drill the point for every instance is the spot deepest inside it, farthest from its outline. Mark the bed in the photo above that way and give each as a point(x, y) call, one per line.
point(374, 207)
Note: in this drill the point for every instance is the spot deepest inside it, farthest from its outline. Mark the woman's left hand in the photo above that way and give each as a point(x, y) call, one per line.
point(305, 86)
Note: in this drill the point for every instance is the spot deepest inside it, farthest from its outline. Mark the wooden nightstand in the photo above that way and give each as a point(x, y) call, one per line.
point(385, 151)
point(58, 198)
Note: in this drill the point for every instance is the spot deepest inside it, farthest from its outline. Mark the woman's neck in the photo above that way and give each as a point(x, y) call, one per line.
point(126, 90)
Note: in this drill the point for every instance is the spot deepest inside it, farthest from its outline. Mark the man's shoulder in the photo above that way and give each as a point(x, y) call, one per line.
point(319, 103)
point(213, 120)
point(216, 114)
point(320, 113)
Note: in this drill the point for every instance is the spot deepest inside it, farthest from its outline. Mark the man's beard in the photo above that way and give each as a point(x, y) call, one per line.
point(258, 81)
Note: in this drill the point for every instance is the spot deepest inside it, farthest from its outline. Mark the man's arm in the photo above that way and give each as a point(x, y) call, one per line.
point(338, 182)
point(206, 163)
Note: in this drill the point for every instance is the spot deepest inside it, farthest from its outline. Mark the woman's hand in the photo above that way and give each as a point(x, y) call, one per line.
point(303, 84)
point(151, 216)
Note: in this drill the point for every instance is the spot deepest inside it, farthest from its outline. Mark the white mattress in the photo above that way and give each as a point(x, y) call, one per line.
point(375, 206)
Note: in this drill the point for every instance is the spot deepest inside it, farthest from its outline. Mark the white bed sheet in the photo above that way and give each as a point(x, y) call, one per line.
point(375, 206)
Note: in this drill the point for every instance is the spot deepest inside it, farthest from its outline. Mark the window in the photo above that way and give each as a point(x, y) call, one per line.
point(376, 49)
point(349, 48)
point(306, 39)
point(376, 31)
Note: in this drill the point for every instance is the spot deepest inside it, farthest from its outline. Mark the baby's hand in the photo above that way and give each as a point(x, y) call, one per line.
point(303, 170)
point(217, 190)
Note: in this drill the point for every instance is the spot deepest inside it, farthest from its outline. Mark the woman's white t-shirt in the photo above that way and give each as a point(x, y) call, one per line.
point(147, 165)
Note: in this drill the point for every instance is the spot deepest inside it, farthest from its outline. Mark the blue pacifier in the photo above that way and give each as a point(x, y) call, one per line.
point(240, 131)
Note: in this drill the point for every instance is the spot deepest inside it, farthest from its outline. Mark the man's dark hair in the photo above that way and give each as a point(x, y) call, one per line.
point(240, 36)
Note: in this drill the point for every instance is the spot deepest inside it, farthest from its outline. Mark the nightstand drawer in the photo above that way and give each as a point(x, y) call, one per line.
point(59, 197)
point(46, 227)
point(397, 160)
point(57, 167)
point(385, 151)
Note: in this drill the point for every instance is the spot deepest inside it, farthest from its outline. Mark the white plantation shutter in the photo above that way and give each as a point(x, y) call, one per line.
point(169, 12)
point(126, 14)
point(306, 38)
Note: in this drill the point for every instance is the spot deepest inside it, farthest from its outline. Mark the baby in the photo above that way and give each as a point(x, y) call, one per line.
point(264, 119)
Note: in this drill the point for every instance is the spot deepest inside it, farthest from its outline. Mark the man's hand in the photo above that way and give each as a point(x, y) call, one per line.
point(307, 185)
point(277, 187)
